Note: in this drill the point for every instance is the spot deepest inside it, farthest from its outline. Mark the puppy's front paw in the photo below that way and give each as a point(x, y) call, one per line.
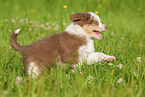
point(110, 58)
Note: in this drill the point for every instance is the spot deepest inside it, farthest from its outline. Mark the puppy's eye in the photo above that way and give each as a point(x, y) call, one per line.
point(96, 22)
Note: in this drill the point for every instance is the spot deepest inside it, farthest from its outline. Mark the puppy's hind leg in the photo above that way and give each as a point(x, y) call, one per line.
point(33, 70)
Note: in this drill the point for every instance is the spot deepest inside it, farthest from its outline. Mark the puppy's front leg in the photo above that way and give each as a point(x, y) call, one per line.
point(97, 57)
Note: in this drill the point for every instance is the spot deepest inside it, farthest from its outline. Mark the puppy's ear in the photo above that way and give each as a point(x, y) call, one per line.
point(76, 16)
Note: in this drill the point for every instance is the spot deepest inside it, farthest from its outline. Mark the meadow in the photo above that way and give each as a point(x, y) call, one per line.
point(124, 39)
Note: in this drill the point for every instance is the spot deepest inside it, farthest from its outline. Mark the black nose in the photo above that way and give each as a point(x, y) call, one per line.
point(105, 27)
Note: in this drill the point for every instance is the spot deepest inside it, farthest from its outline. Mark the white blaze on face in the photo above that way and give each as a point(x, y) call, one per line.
point(96, 17)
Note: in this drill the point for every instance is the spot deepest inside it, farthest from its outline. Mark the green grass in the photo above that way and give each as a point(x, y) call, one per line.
point(124, 39)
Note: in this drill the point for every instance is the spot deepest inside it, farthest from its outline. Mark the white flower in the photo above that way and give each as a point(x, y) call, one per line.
point(18, 80)
point(122, 38)
point(47, 23)
point(138, 59)
point(89, 82)
point(42, 26)
point(64, 24)
point(56, 28)
point(13, 20)
point(136, 75)
point(90, 77)
point(48, 28)
point(53, 24)
point(10, 30)
point(17, 18)
point(120, 80)
point(110, 64)
point(120, 66)
point(112, 33)
point(31, 22)
point(73, 71)
point(21, 21)
point(30, 29)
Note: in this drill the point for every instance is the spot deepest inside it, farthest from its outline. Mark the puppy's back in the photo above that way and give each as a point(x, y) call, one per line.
point(57, 48)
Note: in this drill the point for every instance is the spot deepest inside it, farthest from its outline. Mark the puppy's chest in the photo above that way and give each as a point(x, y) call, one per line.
point(80, 53)
point(86, 49)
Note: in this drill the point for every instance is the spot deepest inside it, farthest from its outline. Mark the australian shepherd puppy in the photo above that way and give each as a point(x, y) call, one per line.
point(73, 46)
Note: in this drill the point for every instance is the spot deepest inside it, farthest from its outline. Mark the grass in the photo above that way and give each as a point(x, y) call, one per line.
point(124, 39)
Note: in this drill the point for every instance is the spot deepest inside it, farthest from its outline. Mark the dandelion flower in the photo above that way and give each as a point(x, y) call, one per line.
point(96, 12)
point(65, 6)
point(104, 1)
point(139, 9)
point(32, 10)
point(62, 16)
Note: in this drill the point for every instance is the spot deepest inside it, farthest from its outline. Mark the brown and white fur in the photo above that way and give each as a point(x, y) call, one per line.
point(73, 46)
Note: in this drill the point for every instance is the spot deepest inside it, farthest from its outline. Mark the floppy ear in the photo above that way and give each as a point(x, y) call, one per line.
point(76, 16)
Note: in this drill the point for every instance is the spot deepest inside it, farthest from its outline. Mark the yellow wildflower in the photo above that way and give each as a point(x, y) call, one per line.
point(104, 1)
point(99, 6)
point(65, 6)
point(96, 12)
point(32, 10)
point(139, 9)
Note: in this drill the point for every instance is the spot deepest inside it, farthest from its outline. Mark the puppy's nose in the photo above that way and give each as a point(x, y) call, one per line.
point(105, 27)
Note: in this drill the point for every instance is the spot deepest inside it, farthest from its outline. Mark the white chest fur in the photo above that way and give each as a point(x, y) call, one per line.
point(85, 50)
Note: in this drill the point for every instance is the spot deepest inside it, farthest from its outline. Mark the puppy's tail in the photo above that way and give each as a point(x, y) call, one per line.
point(14, 43)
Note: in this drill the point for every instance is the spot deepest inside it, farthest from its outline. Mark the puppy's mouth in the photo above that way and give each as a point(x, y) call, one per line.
point(98, 33)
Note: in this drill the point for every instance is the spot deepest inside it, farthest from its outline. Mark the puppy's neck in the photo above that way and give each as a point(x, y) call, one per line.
point(75, 29)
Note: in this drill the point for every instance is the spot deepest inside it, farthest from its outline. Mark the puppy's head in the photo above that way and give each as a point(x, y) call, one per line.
point(90, 23)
